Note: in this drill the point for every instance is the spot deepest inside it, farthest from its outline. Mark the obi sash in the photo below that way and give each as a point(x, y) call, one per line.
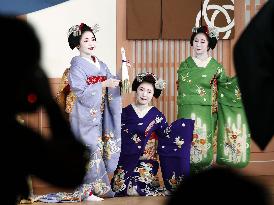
point(95, 79)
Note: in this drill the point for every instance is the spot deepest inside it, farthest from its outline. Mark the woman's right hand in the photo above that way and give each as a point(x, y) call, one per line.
point(111, 83)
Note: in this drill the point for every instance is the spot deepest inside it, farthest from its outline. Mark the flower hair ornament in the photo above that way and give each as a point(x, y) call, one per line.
point(213, 32)
point(76, 30)
point(194, 30)
point(159, 83)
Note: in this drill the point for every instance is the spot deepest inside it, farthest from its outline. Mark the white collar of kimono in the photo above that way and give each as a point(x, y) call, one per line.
point(141, 112)
point(96, 63)
point(201, 63)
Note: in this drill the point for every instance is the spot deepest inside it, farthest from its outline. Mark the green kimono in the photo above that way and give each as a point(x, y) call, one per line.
point(213, 100)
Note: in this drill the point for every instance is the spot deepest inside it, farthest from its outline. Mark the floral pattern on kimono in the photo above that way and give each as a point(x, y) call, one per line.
point(206, 95)
point(65, 97)
point(233, 145)
point(146, 142)
point(96, 121)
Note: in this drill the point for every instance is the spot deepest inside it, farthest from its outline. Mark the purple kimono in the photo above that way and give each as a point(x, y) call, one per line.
point(145, 142)
point(96, 121)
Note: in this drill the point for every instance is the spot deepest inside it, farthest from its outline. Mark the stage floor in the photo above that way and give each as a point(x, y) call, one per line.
point(268, 181)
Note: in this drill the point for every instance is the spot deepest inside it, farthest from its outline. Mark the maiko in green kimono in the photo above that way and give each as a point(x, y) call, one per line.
point(213, 100)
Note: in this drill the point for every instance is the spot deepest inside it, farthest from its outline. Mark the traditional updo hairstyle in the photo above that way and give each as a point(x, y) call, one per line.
point(75, 33)
point(151, 78)
point(211, 34)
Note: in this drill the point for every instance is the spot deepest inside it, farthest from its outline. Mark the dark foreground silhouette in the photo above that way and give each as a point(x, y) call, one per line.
point(59, 159)
point(253, 58)
point(220, 186)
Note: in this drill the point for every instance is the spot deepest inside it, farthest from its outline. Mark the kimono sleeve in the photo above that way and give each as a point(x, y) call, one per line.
point(109, 74)
point(174, 151)
point(112, 129)
point(180, 86)
point(63, 90)
point(88, 95)
point(233, 131)
point(221, 75)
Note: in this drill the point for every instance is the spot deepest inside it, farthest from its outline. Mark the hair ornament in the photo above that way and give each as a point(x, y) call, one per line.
point(75, 31)
point(159, 83)
point(213, 32)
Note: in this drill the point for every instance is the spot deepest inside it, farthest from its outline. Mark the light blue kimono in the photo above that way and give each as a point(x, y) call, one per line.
point(96, 121)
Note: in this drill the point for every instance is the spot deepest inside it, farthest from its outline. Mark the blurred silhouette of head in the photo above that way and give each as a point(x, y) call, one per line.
point(22, 77)
point(220, 186)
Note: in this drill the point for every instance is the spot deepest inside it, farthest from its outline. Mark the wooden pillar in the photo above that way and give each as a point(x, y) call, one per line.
point(239, 16)
point(121, 41)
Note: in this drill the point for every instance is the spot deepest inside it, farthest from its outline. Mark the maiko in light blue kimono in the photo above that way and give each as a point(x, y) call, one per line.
point(96, 121)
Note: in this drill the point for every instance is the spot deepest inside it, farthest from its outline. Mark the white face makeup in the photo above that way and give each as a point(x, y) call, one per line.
point(87, 44)
point(200, 44)
point(144, 93)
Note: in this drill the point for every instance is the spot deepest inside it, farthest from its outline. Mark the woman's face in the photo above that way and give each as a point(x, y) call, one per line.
point(87, 44)
point(200, 44)
point(144, 93)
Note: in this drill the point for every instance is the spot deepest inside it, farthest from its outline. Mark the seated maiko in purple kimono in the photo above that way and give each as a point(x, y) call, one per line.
point(147, 139)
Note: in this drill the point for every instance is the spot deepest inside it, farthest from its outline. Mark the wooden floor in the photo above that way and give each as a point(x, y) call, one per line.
point(268, 181)
point(120, 201)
